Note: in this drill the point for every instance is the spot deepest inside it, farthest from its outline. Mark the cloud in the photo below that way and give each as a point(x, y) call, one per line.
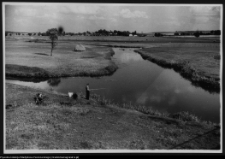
point(94, 17)
point(46, 11)
point(209, 11)
point(80, 9)
point(126, 13)
point(202, 19)
point(26, 11)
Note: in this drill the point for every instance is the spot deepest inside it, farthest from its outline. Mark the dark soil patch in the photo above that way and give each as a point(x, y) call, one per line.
point(42, 54)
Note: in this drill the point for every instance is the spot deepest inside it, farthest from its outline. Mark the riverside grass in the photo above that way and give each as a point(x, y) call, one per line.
point(27, 62)
point(196, 59)
point(98, 124)
point(193, 62)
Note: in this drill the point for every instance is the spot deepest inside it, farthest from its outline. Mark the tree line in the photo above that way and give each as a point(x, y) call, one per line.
point(103, 32)
point(100, 32)
point(198, 33)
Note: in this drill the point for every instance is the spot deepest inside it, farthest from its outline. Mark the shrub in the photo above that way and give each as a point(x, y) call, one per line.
point(185, 116)
point(197, 34)
point(217, 57)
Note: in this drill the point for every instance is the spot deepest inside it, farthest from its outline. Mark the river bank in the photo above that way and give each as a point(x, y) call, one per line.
point(28, 61)
point(64, 123)
point(198, 64)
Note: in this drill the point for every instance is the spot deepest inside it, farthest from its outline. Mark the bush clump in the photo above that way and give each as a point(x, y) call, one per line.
point(185, 116)
point(217, 57)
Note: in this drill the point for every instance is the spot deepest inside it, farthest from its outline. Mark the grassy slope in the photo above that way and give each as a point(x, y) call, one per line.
point(194, 61)
point(24, 59)
point(62, 123)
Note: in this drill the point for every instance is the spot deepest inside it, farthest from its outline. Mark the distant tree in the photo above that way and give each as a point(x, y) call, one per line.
point(176, 33)
point(43, 34)
point(61, 31)
point(29, 34)
point(115, 32)
point(158, 34)
point(134, 33)
point(215, 32)
point(53, 36)
point(197, 34)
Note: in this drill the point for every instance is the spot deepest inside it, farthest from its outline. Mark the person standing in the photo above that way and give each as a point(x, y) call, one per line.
point(87, 92)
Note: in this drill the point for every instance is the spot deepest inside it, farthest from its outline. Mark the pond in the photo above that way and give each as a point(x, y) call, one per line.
point(142, 82)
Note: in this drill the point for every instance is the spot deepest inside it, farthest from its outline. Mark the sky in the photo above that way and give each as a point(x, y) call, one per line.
point(78, 17)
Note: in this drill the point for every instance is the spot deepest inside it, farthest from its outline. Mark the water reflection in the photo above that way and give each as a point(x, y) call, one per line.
point(142, 82)
point(26, 79)
point(127, 56)
point(211, 88)
point(54, 82)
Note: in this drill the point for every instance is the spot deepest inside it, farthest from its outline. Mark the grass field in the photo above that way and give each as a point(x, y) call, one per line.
point(197, 59)
point(27, 59)
point(147, 39)
point(66, 124)
point(199, 62)
point(62, 123)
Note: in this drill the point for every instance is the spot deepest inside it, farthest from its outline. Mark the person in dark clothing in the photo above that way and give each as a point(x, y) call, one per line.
point(38, 98)
point(87, 92)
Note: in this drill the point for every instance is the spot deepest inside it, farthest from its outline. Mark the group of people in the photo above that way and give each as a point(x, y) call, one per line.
point(39, 97)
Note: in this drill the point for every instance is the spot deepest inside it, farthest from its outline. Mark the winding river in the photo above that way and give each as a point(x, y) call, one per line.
point(142, 82)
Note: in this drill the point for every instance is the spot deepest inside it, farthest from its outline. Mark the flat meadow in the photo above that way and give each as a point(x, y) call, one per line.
point(197, 59)
point(64, 123)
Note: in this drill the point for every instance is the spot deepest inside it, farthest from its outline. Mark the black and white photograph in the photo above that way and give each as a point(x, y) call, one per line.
point(112, 77)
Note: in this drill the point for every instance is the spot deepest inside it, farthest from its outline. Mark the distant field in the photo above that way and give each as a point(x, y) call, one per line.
point(197, 58)
point(146, 39)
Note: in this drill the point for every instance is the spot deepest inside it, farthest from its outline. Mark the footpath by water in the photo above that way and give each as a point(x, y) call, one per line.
point(142, 82)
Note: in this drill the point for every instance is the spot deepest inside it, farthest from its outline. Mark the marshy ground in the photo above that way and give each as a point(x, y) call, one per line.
point(62, 123)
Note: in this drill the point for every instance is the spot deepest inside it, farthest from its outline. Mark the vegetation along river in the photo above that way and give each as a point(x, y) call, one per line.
point(142, 82)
